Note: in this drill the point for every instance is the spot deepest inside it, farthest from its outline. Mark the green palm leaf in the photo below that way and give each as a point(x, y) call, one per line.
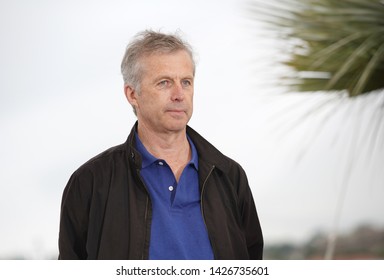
point(336, 45)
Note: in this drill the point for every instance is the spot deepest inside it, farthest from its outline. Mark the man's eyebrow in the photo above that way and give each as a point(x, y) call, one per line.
point(162, 77)
point(191, 77)
point(169, 77)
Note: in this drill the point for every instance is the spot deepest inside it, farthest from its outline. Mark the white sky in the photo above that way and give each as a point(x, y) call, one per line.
point(61, 102)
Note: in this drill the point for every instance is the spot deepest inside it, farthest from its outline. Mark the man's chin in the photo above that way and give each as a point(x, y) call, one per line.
point(177, 124)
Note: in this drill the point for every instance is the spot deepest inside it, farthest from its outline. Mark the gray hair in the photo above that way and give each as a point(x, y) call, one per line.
point(146, 43)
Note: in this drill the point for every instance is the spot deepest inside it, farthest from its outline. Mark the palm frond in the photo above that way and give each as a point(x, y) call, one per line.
point(339, 42)
point(369, 70)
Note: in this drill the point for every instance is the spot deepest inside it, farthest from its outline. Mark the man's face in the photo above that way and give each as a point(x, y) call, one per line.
point(165, 101)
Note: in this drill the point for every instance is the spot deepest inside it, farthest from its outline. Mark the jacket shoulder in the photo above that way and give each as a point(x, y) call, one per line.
point(103, 160)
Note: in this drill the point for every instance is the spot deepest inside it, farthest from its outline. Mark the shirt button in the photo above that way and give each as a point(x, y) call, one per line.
point(170, 188)
point(161, 163)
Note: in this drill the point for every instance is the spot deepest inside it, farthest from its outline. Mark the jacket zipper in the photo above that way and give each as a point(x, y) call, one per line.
point(146, 221)
point(202, 207)
point(146, 210)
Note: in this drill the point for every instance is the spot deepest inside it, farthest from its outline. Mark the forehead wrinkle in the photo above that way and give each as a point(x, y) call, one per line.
point(164, 68)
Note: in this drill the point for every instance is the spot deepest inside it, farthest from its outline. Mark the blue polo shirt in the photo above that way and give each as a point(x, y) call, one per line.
point(178, 230)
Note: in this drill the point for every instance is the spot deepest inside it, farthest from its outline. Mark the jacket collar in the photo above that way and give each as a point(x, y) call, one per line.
point(208, 154)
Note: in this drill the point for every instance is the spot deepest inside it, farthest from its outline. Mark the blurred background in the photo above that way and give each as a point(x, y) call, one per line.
point(314, 160)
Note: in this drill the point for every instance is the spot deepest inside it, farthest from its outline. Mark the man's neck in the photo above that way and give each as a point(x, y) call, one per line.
point(173, 147)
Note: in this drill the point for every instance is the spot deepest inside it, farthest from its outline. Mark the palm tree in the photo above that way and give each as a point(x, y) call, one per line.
point(332, 46)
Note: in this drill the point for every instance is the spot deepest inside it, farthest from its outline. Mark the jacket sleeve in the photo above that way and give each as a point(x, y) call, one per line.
point(74, 219)
point(250, 219)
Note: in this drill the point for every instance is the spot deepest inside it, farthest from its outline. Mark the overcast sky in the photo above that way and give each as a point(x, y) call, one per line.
point(62, 102)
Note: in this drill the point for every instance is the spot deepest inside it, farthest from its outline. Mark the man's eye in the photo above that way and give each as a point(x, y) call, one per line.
point(164, 83)
point(186, 83)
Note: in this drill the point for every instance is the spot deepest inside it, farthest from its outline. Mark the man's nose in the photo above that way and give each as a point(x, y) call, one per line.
point(177, 93)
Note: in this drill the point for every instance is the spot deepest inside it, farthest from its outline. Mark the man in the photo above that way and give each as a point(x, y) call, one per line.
point(166, 193)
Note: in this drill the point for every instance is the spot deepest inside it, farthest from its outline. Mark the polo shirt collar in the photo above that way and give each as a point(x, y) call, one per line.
point(195, 158)
point(148, 158)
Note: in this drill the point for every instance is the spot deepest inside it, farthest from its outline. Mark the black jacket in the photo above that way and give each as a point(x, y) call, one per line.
point(106, 209)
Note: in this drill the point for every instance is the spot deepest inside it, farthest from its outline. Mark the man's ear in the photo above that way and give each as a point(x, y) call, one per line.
point(130, 94)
